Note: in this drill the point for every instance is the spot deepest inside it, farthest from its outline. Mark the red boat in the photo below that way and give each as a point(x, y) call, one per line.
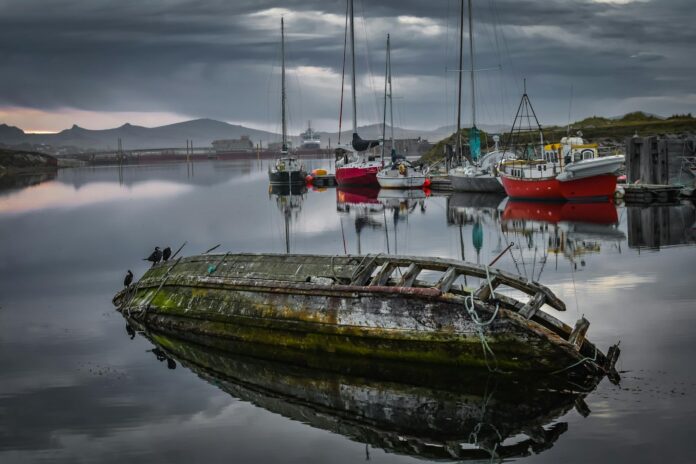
point(597, 187)
point(569, 170)
point(359, 173)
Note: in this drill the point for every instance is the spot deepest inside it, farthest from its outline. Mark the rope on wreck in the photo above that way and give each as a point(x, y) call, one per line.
point(576, 364)
point(471, 310)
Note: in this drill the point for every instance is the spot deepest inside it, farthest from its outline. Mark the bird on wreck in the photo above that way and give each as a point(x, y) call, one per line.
point(155, 257)
point(128, 279)
point(166, 253)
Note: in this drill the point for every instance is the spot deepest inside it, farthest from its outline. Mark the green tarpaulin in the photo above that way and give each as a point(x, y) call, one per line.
point(475, 143)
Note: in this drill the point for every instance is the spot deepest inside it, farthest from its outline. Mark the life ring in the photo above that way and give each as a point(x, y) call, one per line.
point(402, 169)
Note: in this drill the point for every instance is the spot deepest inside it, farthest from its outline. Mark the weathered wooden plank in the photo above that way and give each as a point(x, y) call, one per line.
point(365, 273)
point(446, 281)
point(516, 282)
point(533, 305)
point(409, 276)
point(577, 336)
point(382, 275)
point(483, 293)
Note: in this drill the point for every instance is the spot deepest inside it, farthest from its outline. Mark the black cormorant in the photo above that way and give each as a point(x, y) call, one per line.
point(155, 257)
point(129, 278)
point(166, 253)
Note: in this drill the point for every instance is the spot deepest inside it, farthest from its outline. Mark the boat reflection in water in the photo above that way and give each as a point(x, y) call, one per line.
point(537, 229)
point(289, 199)
point(374, 207)
point(362, 205)
point(572, 230)
point(421, 411)
point(475, 209)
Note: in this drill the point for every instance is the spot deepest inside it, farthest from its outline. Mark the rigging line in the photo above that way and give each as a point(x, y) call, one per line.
point(343, 79)
point(370, 76)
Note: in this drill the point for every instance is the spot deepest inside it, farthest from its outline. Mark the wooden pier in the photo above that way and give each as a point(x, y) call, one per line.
point(658, 170)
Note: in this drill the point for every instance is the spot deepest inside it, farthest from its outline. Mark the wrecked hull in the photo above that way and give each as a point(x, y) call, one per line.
point(465, 414)
point(342, 305)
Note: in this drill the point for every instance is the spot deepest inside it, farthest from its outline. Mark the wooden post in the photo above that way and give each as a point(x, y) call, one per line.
point(577, 336)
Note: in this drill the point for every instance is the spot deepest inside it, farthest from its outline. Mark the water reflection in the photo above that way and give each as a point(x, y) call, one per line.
point(60, 195)
point(379, 209)
point(288, 199)
point(59, 269)
point(537, 229)
point(424, 412)
point(23, 181)
point(658, 226)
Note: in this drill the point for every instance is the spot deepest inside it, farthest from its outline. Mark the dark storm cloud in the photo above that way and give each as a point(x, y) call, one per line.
point(215, 58)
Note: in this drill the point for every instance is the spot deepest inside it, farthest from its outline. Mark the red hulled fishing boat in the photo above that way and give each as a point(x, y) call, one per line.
point(570, 170)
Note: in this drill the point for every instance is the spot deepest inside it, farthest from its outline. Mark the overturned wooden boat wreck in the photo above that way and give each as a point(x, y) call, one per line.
point(374, 306)
point(418, 410)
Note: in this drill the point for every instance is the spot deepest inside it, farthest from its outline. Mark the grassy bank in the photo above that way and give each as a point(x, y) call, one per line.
point(13, 162)
point(594, 129)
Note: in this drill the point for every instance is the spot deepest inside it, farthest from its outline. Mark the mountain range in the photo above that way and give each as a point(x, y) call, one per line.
point(201, 131)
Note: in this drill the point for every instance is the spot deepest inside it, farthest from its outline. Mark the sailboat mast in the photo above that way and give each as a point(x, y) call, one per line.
point(391, 101)
point(352, 69)
point(384, 112)
point(471, 53)
point(459, 98)
point(282, 92)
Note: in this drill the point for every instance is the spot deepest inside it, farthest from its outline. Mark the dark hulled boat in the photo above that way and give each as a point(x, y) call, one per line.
point(287, 169)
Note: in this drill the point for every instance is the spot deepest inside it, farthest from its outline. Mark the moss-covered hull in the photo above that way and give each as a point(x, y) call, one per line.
point(408, 324)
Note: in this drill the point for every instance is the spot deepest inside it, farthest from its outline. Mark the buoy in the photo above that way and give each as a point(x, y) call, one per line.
point(427, 182)
point(309, 179)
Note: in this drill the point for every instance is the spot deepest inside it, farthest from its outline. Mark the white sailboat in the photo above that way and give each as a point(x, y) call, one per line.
point(479, 174)
point(399, 173)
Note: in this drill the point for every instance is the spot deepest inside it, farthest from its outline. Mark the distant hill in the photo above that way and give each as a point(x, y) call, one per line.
point(201, 131)
point(374, 131)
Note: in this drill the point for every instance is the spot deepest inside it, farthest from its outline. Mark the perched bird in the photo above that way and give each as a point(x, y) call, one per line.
point(129, 278)
point(155, 257)
point(166, 253)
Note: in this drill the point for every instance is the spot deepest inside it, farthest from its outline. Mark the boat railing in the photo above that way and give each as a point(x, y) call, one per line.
point(379, 270)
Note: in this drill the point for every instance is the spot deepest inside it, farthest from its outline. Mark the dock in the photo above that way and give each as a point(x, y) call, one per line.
point(441, 183)
point(325, 180)
point(659, 170)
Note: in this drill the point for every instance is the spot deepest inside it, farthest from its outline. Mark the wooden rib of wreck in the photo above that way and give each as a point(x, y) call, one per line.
point(419, 410)
point(372, 305)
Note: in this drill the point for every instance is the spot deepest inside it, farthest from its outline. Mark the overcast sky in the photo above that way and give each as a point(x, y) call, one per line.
point(101, 63)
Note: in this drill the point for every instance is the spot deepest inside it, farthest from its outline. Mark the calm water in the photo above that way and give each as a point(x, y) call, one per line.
point(75, 387)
